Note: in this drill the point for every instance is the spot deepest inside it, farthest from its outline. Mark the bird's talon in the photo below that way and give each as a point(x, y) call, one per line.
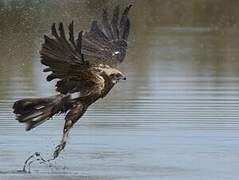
point(59, 149)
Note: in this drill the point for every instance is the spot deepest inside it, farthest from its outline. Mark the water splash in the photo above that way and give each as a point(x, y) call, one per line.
point(36, 157)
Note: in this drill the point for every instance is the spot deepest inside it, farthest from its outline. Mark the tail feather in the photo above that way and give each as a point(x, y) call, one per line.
point(35, 111)
point(37, 121)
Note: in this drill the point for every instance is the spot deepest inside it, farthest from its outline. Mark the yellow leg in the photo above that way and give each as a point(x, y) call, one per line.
point(62, 145)
point(71, 118)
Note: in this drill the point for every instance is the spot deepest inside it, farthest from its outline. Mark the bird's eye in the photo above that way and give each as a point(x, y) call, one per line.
point(118, 75)
point(112, 76)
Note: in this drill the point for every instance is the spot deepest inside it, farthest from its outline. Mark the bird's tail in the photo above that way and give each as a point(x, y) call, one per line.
point(35, 111)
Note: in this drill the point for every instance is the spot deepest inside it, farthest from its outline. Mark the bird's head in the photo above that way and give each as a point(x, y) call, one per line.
point(114, 74)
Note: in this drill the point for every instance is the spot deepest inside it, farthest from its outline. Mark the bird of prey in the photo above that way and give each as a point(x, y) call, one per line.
point(85, 68)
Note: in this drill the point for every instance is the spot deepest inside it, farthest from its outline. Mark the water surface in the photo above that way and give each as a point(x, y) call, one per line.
point(175, 118)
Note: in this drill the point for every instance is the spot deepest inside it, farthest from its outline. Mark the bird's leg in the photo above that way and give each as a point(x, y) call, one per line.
point(60, 147)
point(71, 118)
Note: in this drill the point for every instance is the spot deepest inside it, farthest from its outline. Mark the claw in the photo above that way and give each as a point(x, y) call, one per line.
point(59, 149)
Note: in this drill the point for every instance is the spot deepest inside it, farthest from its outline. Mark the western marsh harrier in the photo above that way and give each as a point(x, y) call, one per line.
point(85, 67)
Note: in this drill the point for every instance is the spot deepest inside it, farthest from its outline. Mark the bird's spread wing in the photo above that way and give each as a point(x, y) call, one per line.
point(70, 60)
point(107, 46)
point(66, 62)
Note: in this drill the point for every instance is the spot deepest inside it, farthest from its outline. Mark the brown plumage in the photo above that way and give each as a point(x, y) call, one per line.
point(84, 67)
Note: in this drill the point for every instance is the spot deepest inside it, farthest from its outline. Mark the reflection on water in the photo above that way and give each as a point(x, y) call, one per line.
point(176, 116)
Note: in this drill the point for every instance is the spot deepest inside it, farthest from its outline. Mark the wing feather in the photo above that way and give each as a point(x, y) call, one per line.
point(115, 21)
point(70, 60)
point(71, 35)
point(125, 31)
point(106, 24)
point(107, 46)
point(65, 61)
point(124, 23)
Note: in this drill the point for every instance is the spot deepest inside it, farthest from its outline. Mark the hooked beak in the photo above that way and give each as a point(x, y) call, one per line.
point(118, 79)
point(123, 78)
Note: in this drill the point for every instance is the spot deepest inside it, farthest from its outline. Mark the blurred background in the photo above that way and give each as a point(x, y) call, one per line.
point(176, 116)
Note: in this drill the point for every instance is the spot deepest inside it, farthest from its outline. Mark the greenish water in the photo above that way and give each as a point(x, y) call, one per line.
point(176, 116)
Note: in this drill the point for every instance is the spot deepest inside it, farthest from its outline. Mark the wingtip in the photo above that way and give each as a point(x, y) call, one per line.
point(71, 27)
point(53, 30)
point(80, 35)
point(71, 24)
point(53, 25)
point(130, 5)
point(93, 24)
point(104, 10)
point(60, 25)
point(105, 13)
